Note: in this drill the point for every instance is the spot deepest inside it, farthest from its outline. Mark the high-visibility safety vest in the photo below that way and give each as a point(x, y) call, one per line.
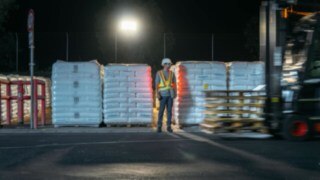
point(165, 84)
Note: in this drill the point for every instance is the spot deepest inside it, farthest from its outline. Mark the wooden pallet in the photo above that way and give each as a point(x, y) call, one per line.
point(215, 105)
point(234, 127)
point(238, 112)
point(233, 111)
point(129, 125)
point(76, 125)
point(235, 98)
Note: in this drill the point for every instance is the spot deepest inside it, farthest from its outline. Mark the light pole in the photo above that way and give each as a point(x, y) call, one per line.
point(17, 53)
point(212, 47)
point(67, 46)
point(164, 45)
point(115, 46)
point(126, 26)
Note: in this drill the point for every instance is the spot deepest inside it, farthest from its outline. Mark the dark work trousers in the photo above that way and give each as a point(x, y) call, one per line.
point(165, 102)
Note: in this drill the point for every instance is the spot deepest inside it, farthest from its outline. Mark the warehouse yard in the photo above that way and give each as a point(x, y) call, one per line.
point(148, 155)
point(91, 94)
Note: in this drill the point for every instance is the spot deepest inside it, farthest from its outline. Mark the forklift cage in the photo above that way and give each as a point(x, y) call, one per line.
point(21, 98)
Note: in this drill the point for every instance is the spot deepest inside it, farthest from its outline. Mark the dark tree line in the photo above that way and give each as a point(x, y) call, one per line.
point(7, 39)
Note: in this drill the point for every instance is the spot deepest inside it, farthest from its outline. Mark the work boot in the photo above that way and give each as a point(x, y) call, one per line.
point(159, 130)
point(169, 129)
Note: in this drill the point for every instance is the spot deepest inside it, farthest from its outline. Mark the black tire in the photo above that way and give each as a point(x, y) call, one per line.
point(297, 128)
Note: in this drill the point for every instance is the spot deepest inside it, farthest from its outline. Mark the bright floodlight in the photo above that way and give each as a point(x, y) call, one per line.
point(129, 25)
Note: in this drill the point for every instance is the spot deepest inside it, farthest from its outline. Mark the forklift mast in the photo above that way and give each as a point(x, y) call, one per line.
point(272, 41)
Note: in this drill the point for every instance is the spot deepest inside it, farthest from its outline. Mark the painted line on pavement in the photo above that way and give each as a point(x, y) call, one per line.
point(174, 135)
point(260, 161)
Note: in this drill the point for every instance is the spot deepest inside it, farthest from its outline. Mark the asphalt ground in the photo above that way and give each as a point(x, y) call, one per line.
point(141, 153)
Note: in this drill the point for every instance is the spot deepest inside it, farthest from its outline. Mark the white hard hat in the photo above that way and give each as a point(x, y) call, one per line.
point(165, 60)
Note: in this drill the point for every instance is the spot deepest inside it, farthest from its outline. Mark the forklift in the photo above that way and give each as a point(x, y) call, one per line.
point(292, 71)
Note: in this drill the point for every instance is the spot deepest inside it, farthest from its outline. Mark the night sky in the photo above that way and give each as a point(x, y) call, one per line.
point(179, 16)
point(191, 21)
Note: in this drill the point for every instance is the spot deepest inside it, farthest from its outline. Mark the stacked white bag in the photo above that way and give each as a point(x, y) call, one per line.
point(76, 93)
point(127, 95)
point(3, 102)
point(246, 75)
point(193, 77)
point(293, 64)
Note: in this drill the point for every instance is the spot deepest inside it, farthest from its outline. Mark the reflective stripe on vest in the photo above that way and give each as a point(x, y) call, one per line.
point(165, 84)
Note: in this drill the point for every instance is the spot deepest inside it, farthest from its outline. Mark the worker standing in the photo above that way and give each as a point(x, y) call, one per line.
point(166, 90)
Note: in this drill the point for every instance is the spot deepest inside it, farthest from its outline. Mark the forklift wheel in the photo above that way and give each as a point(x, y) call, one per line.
point(297, 128)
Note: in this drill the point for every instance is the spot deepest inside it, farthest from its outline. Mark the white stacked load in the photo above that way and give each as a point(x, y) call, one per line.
point(246, 75)
point(3, 107)
point(292, 65)
point(127, 95)
point(193, 77)
point(76, 93)
point(27, 90)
